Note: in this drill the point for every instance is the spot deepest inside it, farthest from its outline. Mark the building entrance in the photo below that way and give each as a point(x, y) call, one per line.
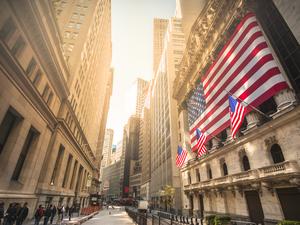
point(254, 207)
point(289, 199)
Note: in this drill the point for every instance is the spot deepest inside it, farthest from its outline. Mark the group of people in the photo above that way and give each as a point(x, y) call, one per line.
point(16, 213)
point(50, 212)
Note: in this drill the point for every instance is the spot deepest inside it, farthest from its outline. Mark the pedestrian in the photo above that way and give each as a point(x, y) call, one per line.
point(39, 213)
point(47, 214)
point(53, 213)
point(11, 214)
point(67, 210)
point(22, 214)
point(59, 212)
point(71, 210)
point(1, 212)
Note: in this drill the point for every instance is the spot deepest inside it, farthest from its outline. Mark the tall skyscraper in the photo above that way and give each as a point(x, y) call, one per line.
point(142, 86)
point(57, 79)
point(164, 126)
point(159, 31)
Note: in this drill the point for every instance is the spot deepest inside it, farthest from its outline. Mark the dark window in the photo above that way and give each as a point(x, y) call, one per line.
point(225, 170)
point(67, 172)
point(73, 175)
point(30, 139)
point(276, 153)
point(31, 66)
point(246, 164)
point(18, 46)
point(6, 127)
point(268, 107)
point(8, 29)
point(282, 39)
point(37, 78)
point(198, 175)
point(50, 97)
point(189, 178)
point(223, 136)
point(79, 178)
point(209, 173)
point(46, 91)
point(57, 165)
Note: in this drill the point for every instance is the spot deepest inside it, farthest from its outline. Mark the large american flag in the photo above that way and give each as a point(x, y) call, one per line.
point(246, 68)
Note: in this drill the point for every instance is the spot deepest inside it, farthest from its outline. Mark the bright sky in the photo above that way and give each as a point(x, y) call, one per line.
point(132, 25)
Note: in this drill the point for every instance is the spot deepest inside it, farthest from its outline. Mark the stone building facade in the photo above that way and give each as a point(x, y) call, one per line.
point(47, 155)
point(257, 176)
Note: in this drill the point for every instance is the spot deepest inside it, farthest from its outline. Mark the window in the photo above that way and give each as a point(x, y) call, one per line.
point(31, 66)
point(8, 29)
point(198, 175)
point(68, 34)
point(246, 164)
point(71, 24)
point(74, 16)
point(82, 17)
point(189, 178)
point(46, 91)
point(73, 175)
point(9, 122)
point(225, 170)
point(209, 172)
point(37, 78)
point(276, 153)
point(77, 26)
point(30, 140)
point(49, 99)
point(57, 165)
point(67, 172)
point(18, 46)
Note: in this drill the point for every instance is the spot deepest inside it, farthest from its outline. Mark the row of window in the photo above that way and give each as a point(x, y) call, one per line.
point(275, 151)
point(14, 40)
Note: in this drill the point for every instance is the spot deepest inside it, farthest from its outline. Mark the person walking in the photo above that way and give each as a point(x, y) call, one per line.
point(1, 212)
point(11, 214)
point(39, 213)
point(22, 214)
point(53, 213)
point(59, 212)
point(71, 210)
point(47, 214)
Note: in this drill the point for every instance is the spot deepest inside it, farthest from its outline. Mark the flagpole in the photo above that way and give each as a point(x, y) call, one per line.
point(256, 109)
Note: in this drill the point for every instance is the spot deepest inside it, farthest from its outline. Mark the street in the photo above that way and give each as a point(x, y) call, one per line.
point(111, 217)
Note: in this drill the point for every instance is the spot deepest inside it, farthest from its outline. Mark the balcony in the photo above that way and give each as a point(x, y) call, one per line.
point(273, 172)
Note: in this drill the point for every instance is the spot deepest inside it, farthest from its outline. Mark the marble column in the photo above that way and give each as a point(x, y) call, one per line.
point(215, 143)
point(254, 119)
point(285, 101)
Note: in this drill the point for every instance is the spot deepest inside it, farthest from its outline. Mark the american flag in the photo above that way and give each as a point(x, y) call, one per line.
point(246, 68)
point(181, 157)
point(237, 115)
point(196, 104)
point(200, 146)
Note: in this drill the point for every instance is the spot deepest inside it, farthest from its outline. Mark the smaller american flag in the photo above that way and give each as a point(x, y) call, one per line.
point(181, 157)
point(200, 146)
point(237, 113)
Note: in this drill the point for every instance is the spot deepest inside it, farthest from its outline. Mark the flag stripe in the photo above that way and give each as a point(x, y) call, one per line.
point(244, 67)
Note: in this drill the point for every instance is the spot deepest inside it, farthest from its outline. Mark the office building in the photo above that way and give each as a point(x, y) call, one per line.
point(159, 31)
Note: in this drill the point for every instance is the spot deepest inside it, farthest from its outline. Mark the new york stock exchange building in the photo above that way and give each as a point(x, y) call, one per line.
point(248, 49)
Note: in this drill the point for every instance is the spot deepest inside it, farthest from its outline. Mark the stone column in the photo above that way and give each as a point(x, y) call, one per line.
point(215, 143)
point(229, 136)
point(285, 101)
point(253, 119)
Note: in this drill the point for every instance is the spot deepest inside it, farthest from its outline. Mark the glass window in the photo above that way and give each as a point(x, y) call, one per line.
point(57, 166)
point(225, 170)
point(30, 139)
point(18, 46)
point(31, 66)
point(276, 153)
point(8, 29)
point(7, 126)
point(246, 164)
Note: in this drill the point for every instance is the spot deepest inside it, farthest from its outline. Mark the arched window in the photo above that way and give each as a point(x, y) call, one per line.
point(276, 153)
point(225, 170)
point(246, 164)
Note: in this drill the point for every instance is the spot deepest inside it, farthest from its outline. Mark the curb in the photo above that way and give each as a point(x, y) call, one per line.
point(81, 220)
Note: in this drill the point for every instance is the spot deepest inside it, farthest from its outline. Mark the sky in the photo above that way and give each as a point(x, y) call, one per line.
point(132, 35)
